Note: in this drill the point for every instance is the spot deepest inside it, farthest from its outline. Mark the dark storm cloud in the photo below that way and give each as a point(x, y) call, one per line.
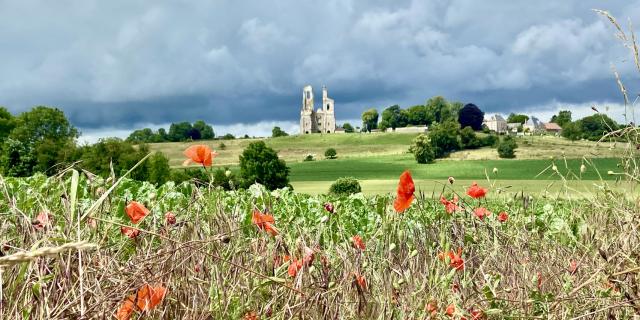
point(119, 64)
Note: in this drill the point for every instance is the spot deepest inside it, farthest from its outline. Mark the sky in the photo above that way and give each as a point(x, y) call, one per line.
point(115, 66)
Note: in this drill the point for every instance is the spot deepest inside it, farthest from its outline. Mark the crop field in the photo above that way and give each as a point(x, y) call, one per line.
point(71, 248)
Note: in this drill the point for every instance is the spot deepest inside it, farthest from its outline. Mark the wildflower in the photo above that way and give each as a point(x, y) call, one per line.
point(197, 268)
point(451, 309)
point(42, 220)
point(294, 267)
point(251, 315)
point(450, 206)
point(358, 243)
point(145, 299)
point(170, 218)
point(455, 259)
point(451, 180)
point(329, 207)
point(309, 256)
point(476, 191)
point(503, 216)
point(136, 211)
point(200, 154)
point(573, 267)
point(92, 223)
point(264, 222)
point(129, 232)
point(432, 308)
point(481, 213)
point(360, 281)
point(405, 191)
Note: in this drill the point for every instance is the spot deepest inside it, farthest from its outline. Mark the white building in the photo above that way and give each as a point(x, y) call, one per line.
point(496, 123)
point(533, 125)
point(323, 120)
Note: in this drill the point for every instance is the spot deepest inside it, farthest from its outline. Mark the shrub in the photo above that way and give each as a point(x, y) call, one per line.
point(309, 157)
point(277, 132)
point(259, 163)
point(422, 149)
point(228, 136)
point(468, 139)
point(507, 147)
point(444, 138)
point(159, 170)
point(490, 140)
point(330, 153)
point(345, 186)
point(222, 146)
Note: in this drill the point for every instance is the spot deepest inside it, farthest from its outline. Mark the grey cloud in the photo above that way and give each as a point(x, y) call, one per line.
point(120, 65)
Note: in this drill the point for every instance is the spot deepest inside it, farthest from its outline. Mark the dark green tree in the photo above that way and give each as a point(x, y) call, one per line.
point(180, 131)
point(517, 118)
point(563, 117)
point(331, 153)
point(440, 110)
point(471, 116)
point(572, 130)
point(206, 131)
point(348, 128)
point(370, 120)
point(47, 138)
point(145, 135)
point(159, 169)
point(277, 132)
point(228, 136)
point(7, 123)
point(596, 126)
point(259, 163)
point(418, 115)
point(469, 139)
point(507, 147)
point(444, 138)
point(422, 149)
point(393, 117)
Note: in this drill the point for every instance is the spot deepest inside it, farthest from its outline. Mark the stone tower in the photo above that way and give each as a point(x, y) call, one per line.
point(323, 120)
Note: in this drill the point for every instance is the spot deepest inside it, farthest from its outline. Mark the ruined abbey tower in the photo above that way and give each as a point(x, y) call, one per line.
point(323, 120)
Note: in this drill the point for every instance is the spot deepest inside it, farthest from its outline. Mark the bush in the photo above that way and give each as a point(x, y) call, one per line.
point(444, 138)
point(330, 153)
point(422, 149)
point(159, 170)
point(490, 140)
point(309, 157)
point(259, 163)
point(222, 146)
point(228, 136)
point(507, 147)
point(468, 139)
point(345, 186)
point(277, 132)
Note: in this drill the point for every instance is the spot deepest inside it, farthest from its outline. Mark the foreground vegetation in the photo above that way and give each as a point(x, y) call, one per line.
point(551, 257)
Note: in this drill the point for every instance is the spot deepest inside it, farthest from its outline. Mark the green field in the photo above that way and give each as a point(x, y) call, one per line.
point(377, 160)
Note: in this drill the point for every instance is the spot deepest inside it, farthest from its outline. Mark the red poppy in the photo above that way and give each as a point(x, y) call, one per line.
point(476, 191)
point(294, 267)
point(358, 243)
point(573, 267)
point(42, 220)
point(136, 211)
point(477, 314)
point(145, 299)
point(455, 259)
point(200, 154)
point(329, 207)
point(170, 218)
point(251, 315)
point(450, 206)
point(264, 222)
point(432, 308)
point(406, 189)
point(309, 256)
point(481, 213)
point(451, 309)
point(360, 281)
point(503, 217)
point(129, 232)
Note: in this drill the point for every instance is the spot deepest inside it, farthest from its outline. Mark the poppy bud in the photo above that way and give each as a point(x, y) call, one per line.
point(452, 180)
point(495, 170)
point(227, 173)
point(329, 207)
point(583, 168)
point(554, 168)
point(170, 218)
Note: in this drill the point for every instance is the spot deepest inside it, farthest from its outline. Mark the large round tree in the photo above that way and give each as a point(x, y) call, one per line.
point(471, 116)
point(259, 163)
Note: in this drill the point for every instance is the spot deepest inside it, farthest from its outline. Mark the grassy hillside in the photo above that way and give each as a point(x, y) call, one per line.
point(295, 148)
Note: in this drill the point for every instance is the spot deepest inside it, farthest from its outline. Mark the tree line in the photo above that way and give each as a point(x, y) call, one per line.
point(180, 131)
point(42, 140)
